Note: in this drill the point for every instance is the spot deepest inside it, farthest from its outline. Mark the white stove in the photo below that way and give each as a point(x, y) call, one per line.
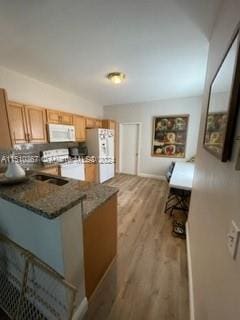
point(69, 168)
point(55, 156)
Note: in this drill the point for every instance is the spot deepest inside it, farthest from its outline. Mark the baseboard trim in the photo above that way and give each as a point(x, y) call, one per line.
point(154, 176)
point(190, 276)
point(81, 310)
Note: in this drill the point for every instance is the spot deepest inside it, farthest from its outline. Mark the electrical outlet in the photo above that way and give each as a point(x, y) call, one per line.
point(233, 239)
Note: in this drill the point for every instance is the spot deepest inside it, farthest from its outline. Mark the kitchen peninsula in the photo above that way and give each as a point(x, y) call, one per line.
point(65, 222)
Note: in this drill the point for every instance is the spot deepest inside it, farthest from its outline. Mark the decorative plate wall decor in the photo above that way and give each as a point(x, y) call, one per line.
point(170, 136)
point(223, 104)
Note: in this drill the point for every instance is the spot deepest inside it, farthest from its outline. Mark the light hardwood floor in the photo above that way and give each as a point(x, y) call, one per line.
point(148, 280)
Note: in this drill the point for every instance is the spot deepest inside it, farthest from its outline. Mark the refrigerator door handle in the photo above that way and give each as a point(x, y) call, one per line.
point(107, 148)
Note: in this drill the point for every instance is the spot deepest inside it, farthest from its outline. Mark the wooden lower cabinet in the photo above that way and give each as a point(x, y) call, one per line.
point(100, 242)
point(51, 170)
point(90, 172)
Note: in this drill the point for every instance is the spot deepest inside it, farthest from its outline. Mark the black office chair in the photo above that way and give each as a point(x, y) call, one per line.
point(170, 171)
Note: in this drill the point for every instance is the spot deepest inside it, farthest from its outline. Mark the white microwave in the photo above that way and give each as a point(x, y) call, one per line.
point(61, 133)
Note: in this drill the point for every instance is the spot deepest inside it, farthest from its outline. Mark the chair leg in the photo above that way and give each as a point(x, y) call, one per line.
point(182, 201)
point(169, 205)
point(179, 199)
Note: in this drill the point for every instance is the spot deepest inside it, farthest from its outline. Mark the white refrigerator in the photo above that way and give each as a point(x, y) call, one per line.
point(100, 143)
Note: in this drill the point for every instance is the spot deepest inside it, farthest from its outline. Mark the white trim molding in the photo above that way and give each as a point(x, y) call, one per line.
point(190, 276)
point(81, 310)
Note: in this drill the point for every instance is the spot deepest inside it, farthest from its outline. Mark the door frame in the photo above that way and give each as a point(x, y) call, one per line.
point(139, 124)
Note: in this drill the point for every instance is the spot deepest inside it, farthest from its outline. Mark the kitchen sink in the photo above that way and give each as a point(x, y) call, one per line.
point(50, 179)
point(41, 177)
point(58, 182)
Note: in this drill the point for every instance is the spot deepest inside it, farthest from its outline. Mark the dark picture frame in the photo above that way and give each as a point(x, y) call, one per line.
point(169, 137)
point(223, 105)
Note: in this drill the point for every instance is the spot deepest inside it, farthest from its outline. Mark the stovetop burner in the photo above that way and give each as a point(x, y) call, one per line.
point(54, 156)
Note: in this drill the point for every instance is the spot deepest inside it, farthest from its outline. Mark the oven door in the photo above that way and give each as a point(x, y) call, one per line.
point(61, 133)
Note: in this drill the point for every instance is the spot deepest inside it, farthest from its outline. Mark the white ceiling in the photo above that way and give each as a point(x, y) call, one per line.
point(161, 45)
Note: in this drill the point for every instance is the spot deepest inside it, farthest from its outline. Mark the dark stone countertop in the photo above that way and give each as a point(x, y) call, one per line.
point(50, 200)
point(41, 166)
point(34, 166)
point(96, 195)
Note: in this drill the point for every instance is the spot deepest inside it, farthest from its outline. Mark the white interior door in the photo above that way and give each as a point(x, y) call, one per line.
point(129, 141)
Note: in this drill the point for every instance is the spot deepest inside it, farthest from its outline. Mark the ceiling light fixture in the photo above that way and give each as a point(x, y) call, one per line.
point(116, 77)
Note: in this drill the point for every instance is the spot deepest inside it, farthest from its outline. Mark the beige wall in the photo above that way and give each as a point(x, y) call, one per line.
point(144, 113)
point(27, 90)
point(215, 202)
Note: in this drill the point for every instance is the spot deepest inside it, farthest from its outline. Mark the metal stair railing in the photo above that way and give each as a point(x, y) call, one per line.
point(29, 288)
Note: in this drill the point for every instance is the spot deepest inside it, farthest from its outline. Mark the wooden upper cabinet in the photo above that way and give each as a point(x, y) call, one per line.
point(112, 124)
point(6, 141)
point(21, 123)
point(109, 124)
point(66, 118)
point(59, 117)
point(36, 124)
point(27, 123)
point(98, 123)
point(16, 115)
point(80, 127)
point(53, 116)
point(90, 123)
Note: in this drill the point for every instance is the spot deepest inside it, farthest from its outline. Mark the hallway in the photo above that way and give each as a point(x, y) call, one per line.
point(148, 280)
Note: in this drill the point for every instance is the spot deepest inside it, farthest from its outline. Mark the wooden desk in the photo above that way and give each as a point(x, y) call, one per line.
point(182, 176)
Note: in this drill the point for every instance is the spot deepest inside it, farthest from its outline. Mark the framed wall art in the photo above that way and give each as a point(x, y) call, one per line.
point(223, 104)
point(170, 136)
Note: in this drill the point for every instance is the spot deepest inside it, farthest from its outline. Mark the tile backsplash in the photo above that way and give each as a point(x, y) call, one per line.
point(28, 154)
